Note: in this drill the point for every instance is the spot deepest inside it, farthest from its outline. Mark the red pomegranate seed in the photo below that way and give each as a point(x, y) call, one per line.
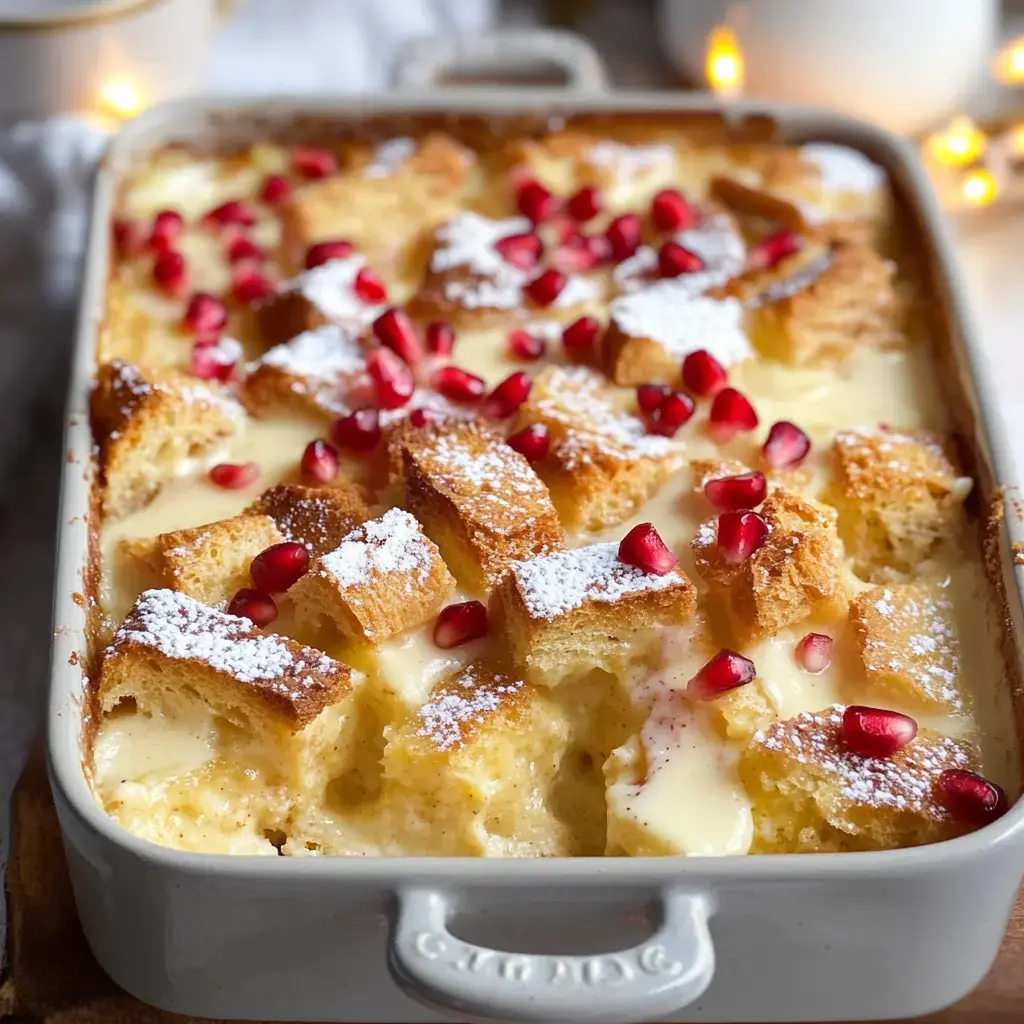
point(675, 410)
point(392, 379)
point(585, 204)
point(311, 162)
point(419, 418)
point(787, 445)
point(275, 189)
point(674, 259)
point(249, 284)
point(731, 413)
point(395, 330)
point(370, 288)
point(740, 534)
point(643, 548)
point(522, 251)
point(205, 315)
point(736, 493)
point(724, 672)
point(459, 385)
point(599, 247)
point(440, 338)
point(971, 798)
point(242, 248)
point(814, 652)
point(874, 732)
point(576, 255)
point(771, 250)
point(534, 201)
point(650, 396)
point(531, 441)
point(507, 396)
point(170, 272)
point(233, 213)
point(623, 234)
point(130, 236)
point(167, 225)
point(579, 337)
point(671, 212)
point(214, 360)
point(319, 463)
point(703, 374)
point(251, 604)
point(546, 287)
point(276, 568)
point(323, 252)
point(523, 345)
point(457, 624)
point(234, 476)
point(359, 432)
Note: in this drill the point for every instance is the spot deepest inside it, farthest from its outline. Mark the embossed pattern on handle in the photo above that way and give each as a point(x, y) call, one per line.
point(665, 972)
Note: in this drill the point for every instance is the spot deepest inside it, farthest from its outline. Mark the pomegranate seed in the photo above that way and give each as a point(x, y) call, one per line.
point(740, 534)
point(311, 162)
point(457, 624)
point(392, 379)
point(534, 201)
point(319, 463)
point(599, 247)
point(395, 331)
point(525, 346)
point(650, 396)
point(873, 732)
point(736, 493)
point(170, 272)
point(814, 652)
point(323, 252)
point(971, 798)
point(506, 398)
point(522, 251)
point(276, 568)
point(359, 432)
point(440, 338)
point(623, 235)
point(234, 476)
point(233, 213)
point(214, 360)
point(724, 672)
point(563, 229)
point(167, 225)
point(249, 284)
point(370, 288)
point(130, 236)
point(275, 189)
point(585, 204)
point(643, 547)
point(419, 418)
point(675, 410)
point(787, 445)
point(671, 212)
point(731, 412)
point(771, 250)
point(242, 248)
point(459, 385)
point(579, 338)
point(531, 441)
point(251, 604)
point(205, 315)
point(577, 255)
point(703, 374)
point(546, 287)
point(674, 259)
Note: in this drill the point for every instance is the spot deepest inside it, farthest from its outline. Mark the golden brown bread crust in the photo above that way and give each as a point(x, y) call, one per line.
point(318, 517)
point(286, 314)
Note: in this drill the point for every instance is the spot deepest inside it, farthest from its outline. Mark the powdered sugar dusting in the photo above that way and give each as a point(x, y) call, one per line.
point(389, 156)
point(843, 169)
point(577, 289)
point(323, 353)
point(787, 287)
point(330, 288)
point(456, 707)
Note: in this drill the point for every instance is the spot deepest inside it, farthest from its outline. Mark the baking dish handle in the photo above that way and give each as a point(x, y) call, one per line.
point(425, 63)
point(665, 972)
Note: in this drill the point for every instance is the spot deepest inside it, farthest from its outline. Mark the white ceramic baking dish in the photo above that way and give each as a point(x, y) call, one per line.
point(794, 938)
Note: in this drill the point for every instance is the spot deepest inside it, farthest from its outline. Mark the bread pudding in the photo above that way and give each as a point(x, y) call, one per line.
point(587, 489)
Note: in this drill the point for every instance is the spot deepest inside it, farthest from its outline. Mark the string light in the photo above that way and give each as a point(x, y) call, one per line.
point(979, 187)
point(723, 64)
point(1008, 63)
point(120, 96)
point(960, 143)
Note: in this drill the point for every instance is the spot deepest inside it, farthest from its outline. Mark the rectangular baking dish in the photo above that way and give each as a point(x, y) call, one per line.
point(770, 938)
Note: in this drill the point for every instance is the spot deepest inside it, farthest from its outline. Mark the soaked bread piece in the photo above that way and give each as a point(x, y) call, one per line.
point(316, 517)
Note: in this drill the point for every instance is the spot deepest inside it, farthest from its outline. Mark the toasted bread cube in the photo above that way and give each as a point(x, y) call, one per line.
point(317, 517)
point(384, 577)
point(131, 333)
point(898, 497)
point(908, 643)
point(150, 427)
point(602, 465)
point(795, 572)
point(470, 772)
point(478, 500)
point(564, 614)
point(811, 794)
point(704, 470)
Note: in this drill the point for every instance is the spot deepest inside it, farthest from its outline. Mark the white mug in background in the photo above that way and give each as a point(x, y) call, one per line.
point(101, 57)
point(903, 64)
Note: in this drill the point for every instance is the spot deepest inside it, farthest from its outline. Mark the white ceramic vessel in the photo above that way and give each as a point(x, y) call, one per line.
point(775, 938)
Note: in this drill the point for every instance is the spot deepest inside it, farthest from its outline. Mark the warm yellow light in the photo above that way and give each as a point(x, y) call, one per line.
point(1015, 141)
point(1008, 63)
point(979, 187)
point(121, 96)
point(724, 63)
point(961, 142)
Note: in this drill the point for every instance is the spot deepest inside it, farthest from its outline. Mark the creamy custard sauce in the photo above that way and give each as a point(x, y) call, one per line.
point(672, 786)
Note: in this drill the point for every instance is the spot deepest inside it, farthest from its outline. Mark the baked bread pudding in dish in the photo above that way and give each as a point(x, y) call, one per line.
point(585, 490)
